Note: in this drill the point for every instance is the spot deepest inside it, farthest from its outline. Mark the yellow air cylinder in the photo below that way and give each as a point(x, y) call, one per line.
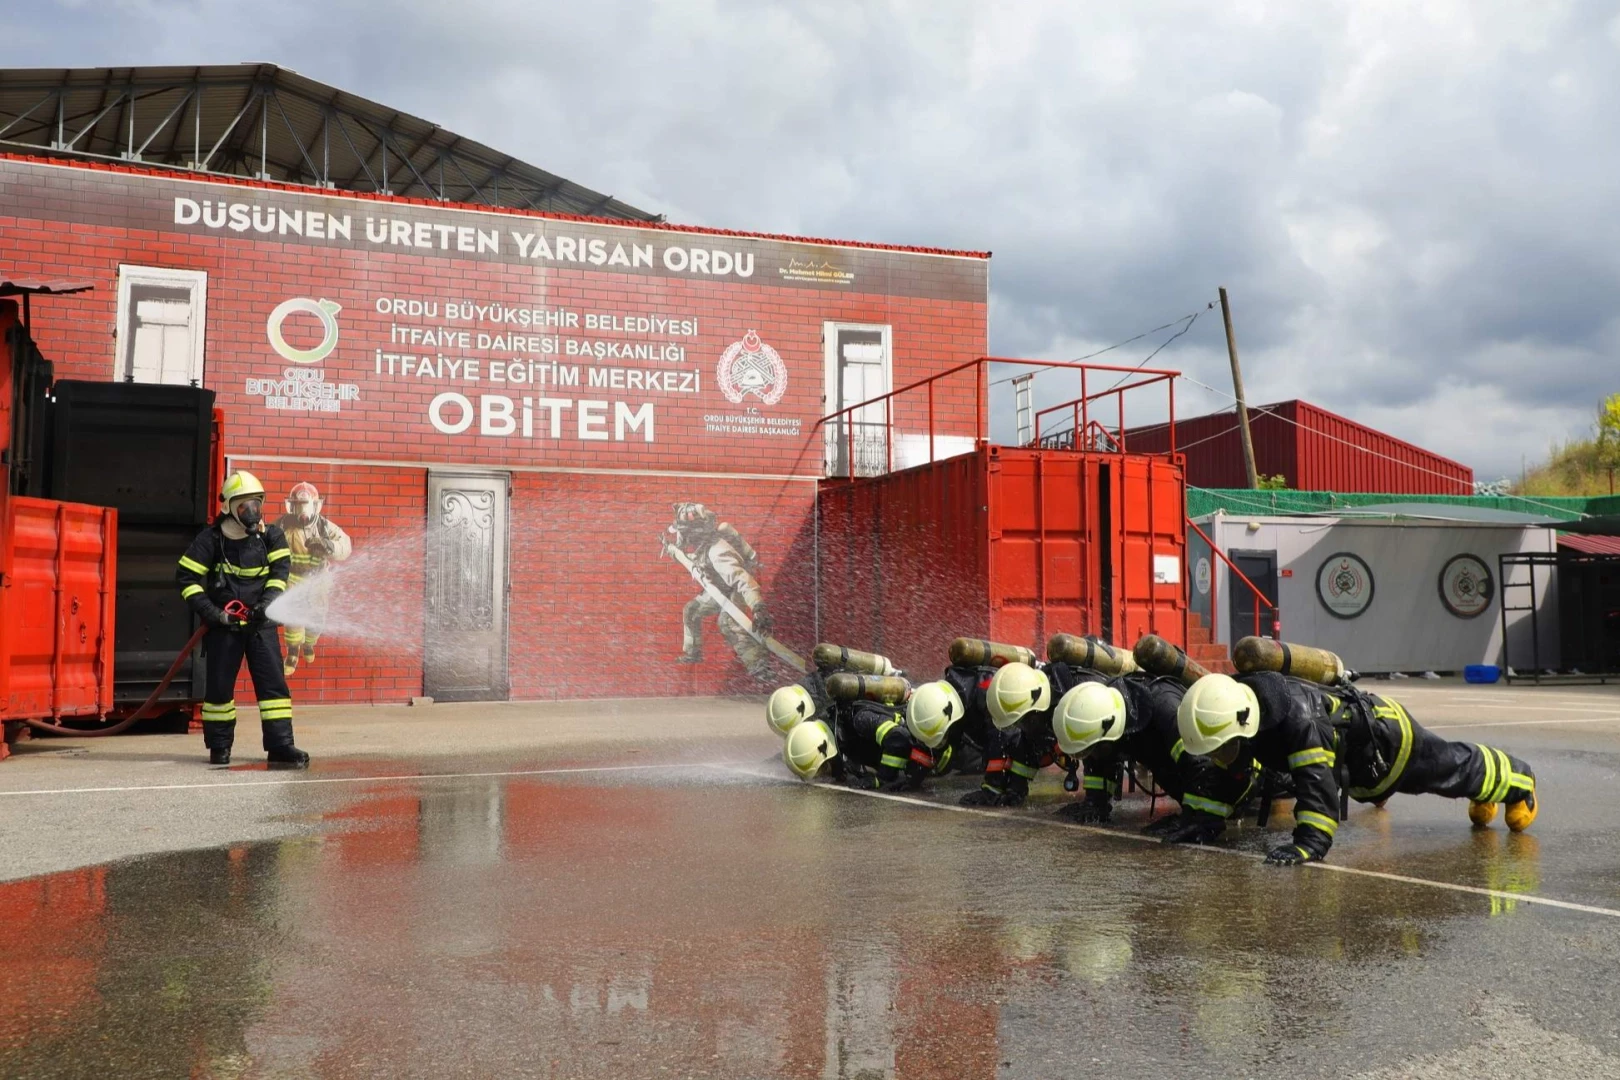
point(1091, 653)
point(1157, 656)
point(1301, 661)
point(888, 689)
point(829, 657)
point(976, 652)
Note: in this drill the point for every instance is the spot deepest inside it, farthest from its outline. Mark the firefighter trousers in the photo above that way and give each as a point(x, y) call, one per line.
point(225, 650)
point(1422, 763)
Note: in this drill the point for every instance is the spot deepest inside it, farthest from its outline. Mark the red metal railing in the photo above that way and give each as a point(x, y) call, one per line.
point(846, 426)
point(1276, 623)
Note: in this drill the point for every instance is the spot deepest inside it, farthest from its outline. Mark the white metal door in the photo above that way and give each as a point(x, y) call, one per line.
point(858, 370)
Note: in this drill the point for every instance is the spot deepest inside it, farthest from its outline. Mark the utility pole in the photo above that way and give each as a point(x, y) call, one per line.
point(1237, 390)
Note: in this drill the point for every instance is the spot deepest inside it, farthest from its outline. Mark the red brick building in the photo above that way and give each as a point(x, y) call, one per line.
point(502, 407)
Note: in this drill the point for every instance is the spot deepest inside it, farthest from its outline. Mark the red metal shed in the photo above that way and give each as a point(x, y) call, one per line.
point(1312, 448)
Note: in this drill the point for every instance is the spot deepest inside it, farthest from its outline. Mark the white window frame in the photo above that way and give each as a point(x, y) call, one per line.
point(832, 377)
point(196, 281)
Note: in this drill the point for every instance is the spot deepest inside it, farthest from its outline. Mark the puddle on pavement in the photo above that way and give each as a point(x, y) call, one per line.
point(561, 927)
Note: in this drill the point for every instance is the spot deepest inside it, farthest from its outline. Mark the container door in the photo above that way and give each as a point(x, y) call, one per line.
point(1261, 568)
point(465, 655)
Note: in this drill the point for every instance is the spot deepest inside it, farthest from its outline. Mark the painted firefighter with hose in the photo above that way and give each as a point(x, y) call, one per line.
point(316, 543)
point(228, 576)
point(726, 567)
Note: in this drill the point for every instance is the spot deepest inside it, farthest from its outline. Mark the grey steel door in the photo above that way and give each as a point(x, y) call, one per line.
point(466, 587)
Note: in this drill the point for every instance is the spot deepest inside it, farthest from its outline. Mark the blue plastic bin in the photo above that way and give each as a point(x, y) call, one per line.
point(1481, 673)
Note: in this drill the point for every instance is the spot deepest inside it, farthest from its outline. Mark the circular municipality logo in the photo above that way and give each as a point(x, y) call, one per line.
point(1344, 584)
point(1466, 586)
point(1201, 576)
point(324, 310)
point(752, 367)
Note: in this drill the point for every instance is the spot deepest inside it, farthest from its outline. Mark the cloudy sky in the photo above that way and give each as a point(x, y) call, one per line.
point(1415, 206)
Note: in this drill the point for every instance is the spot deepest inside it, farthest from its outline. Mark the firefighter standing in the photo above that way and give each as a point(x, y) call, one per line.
point(241, 559)
point(1317, 734)
point(731, 566)
point(315, 543)
point(1133, 718)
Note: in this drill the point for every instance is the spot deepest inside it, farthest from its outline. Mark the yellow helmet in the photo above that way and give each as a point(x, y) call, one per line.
point(241, 484)
point(933, 708)
point(1016, 689)
point(1091, 713)
point(809, 746)
point(1216, 710)
point(789, 705)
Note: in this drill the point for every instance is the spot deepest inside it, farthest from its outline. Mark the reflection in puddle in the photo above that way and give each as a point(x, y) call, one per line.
point(568, 929)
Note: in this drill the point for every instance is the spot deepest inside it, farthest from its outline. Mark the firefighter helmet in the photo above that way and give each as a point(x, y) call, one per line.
point(1015, 690)
point(304, 502)
point(243, 497)
point(1216, 710)
point(933, 708)
point(241, 484)
point(1091, 713)
point(809, 746)
point(789, 706)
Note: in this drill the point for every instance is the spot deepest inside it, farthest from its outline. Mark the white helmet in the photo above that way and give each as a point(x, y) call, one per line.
point(789, 705)
point(1216, 710)
point(1091, 713)
point(1016, 689)
point(809, 746)
point(933, 708)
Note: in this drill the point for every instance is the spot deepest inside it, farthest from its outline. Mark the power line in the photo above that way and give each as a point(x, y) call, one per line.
point(1188, 319)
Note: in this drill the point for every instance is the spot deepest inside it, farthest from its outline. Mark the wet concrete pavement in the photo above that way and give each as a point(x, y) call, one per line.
point(586, 906)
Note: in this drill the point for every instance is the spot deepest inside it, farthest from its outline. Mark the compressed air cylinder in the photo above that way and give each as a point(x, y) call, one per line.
point(848, 686)
point(1091, 653)
point(829, 657)
point(1157, 656)
point(976, 652)
point(1300, 661)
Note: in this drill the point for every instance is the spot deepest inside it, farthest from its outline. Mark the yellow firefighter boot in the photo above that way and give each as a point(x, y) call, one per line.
point(1522, 813)
point(1482, 813)
point(309, 654)
point(290, 664)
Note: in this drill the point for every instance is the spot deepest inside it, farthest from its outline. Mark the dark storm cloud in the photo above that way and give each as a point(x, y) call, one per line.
point(1413, 203)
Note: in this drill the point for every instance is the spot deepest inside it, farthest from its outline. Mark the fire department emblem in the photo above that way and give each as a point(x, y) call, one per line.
point(1344, 584)
point(752, 367)
point(1466, 586)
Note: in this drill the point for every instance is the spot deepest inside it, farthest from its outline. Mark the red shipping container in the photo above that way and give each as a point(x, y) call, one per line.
point(1310, 447)
point(1008, 543)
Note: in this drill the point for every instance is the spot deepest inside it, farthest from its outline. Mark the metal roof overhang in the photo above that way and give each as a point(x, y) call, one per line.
point(264, 122)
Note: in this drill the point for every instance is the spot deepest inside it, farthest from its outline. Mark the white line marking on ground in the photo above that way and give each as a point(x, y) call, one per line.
point(1525, 723)
point(244, 784)
point(1117, 834)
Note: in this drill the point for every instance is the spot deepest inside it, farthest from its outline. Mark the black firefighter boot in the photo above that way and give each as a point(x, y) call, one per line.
point(219, 755)
point(287, 757)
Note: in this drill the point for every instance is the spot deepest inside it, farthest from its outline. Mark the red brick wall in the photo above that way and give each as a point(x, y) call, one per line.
point(587, 588)
point(382, 510)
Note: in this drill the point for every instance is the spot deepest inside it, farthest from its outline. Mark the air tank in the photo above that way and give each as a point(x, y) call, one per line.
point(1157, 656)
point(1090, 652)
point(829, 657)
point(976, 652)
point(888, 689)
point(1301, 661)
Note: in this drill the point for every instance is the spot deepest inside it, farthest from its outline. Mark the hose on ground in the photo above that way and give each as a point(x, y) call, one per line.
point(138, 714)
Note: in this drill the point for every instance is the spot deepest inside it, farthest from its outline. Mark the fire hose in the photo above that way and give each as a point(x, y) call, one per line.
point(235, 609)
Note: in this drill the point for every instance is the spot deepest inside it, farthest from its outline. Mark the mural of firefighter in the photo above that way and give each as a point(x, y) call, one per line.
point(316, 543)
point(726, 569)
